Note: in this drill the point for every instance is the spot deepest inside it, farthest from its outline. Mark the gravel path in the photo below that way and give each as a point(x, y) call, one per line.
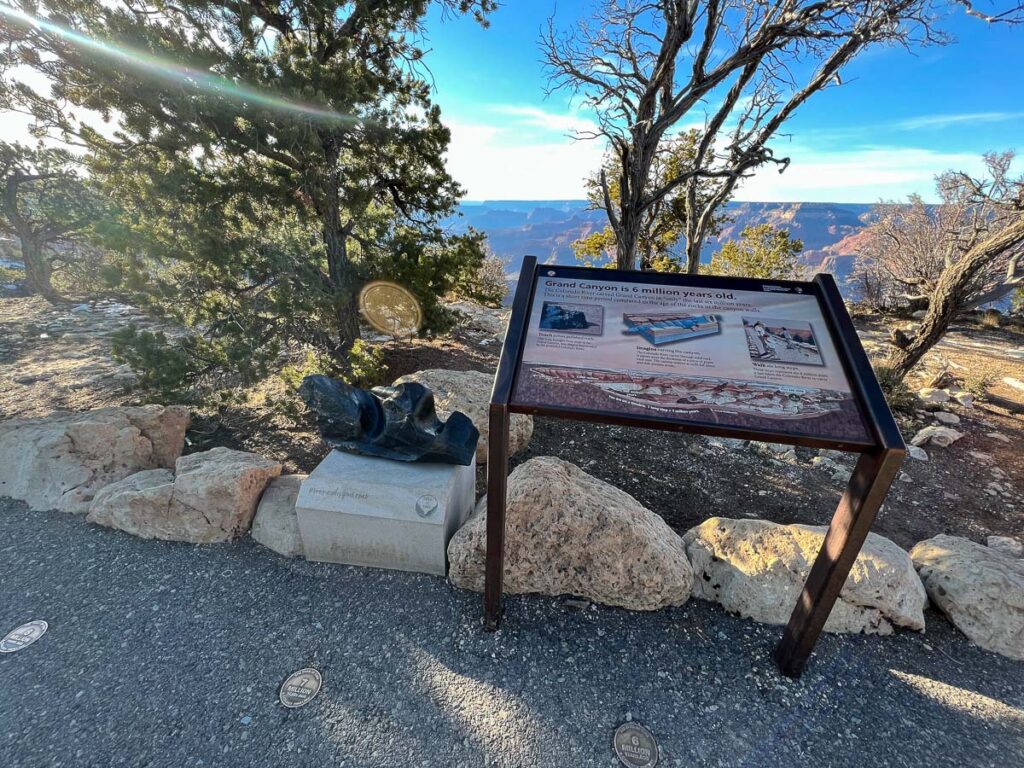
point(165, 654)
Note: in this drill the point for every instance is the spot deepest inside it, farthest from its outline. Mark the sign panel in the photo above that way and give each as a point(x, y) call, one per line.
point(723, 352)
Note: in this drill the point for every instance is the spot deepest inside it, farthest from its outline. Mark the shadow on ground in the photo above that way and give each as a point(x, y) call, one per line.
point(171, 655)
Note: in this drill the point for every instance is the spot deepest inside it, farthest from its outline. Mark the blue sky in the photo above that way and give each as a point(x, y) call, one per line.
point(899, 119)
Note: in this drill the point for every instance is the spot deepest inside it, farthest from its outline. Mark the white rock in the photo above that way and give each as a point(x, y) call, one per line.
point(470, 393)
point(932, 395)
point(212, 498)
point(275, 525)
point(943, 437)
point(1015, 383)
point(567, 532)
point(966, 399)
point(945, 417)
point(1006, 544)
point(139, 504)
point(998, 436)
point(215, 493)
point(481, 318)
point(757, 569)
point(980, 590)
point(61, 461)
point(918, 453)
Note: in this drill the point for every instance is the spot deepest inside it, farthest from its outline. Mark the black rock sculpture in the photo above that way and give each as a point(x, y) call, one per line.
point(390, 422)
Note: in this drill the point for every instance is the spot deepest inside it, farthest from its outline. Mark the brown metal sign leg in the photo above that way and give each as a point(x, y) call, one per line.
point(497, 475)
point(846, 534)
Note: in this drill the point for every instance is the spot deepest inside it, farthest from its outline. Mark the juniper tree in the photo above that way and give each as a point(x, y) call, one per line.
point(741, 67)
point(762, 251)
point(962, 253)
point(317, 109)
point(47, 207)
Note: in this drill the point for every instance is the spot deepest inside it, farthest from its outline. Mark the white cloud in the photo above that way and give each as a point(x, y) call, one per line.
point(944, 121)
point(493, 164)
point(856, 176)
point(568, 122)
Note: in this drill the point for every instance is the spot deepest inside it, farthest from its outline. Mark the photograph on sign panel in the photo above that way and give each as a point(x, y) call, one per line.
point(573, 318)
point(660, 328)
point(781, 341)
point(757, 360)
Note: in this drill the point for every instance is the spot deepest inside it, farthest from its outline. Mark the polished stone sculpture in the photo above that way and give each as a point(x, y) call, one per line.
point(390, 422)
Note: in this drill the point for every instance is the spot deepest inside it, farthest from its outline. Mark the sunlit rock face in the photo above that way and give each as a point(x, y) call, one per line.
point(980, 589)
point(469, 392)
point(60, 462)
point(757, 569)
point(210, 497)
point(568, 533)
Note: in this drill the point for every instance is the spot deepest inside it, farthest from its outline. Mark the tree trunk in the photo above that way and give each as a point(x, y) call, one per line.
point(38, 270)
point(342, 276)
point(626, 236)
point(951, 296)
point(693, 249)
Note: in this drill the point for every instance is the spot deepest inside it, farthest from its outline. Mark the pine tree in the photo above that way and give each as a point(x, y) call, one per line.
point(316, 112)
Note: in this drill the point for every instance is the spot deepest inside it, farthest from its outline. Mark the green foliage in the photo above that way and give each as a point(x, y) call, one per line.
point(978, 383)
point(897, 393)
point(366, 362)
point(303, 157)
point(49, 209)
point(664, 223)
point(762, 252)
point(484, 282)
point(164, 368)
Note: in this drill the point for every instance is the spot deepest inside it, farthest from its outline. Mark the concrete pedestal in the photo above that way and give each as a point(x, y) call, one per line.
point(360, 510)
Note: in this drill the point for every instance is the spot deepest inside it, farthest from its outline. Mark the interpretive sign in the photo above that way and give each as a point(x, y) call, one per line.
point(769, 360)
point(753, 355)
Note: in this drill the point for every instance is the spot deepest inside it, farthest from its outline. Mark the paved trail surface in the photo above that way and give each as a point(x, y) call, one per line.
point(164, 654)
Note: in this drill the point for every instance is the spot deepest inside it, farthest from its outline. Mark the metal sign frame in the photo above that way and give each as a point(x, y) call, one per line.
point(879, 457)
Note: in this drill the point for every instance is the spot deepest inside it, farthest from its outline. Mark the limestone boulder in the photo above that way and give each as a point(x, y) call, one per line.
point(276, 525)
point(61, 461)
point(480, 318)
point(943, 437)
point(212, 497)
point(757, 569)
point(216, 491)
point(139, 504)
point(470, 393)
point(933, 396)
point(567, 532)
point(1006, 544)
point(978, 588)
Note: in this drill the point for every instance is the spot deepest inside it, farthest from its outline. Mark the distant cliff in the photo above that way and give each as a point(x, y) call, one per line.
point(830, 231)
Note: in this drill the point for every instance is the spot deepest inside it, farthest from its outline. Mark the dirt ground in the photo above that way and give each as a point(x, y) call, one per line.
point(59, 359)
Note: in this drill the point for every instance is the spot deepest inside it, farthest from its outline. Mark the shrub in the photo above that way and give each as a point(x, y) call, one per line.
point(897, 393)
point(991, 318)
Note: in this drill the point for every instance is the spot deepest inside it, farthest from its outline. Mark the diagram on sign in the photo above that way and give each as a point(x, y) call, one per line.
point(667, 327)
point(689, 394)
point(781, 341)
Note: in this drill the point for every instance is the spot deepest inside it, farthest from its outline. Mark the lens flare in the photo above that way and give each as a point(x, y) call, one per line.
point(170, 71)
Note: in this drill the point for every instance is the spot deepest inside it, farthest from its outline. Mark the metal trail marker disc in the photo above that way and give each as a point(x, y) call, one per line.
point(635, 746)
point(390, 308)
point(299, 688)
point(23, 636)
